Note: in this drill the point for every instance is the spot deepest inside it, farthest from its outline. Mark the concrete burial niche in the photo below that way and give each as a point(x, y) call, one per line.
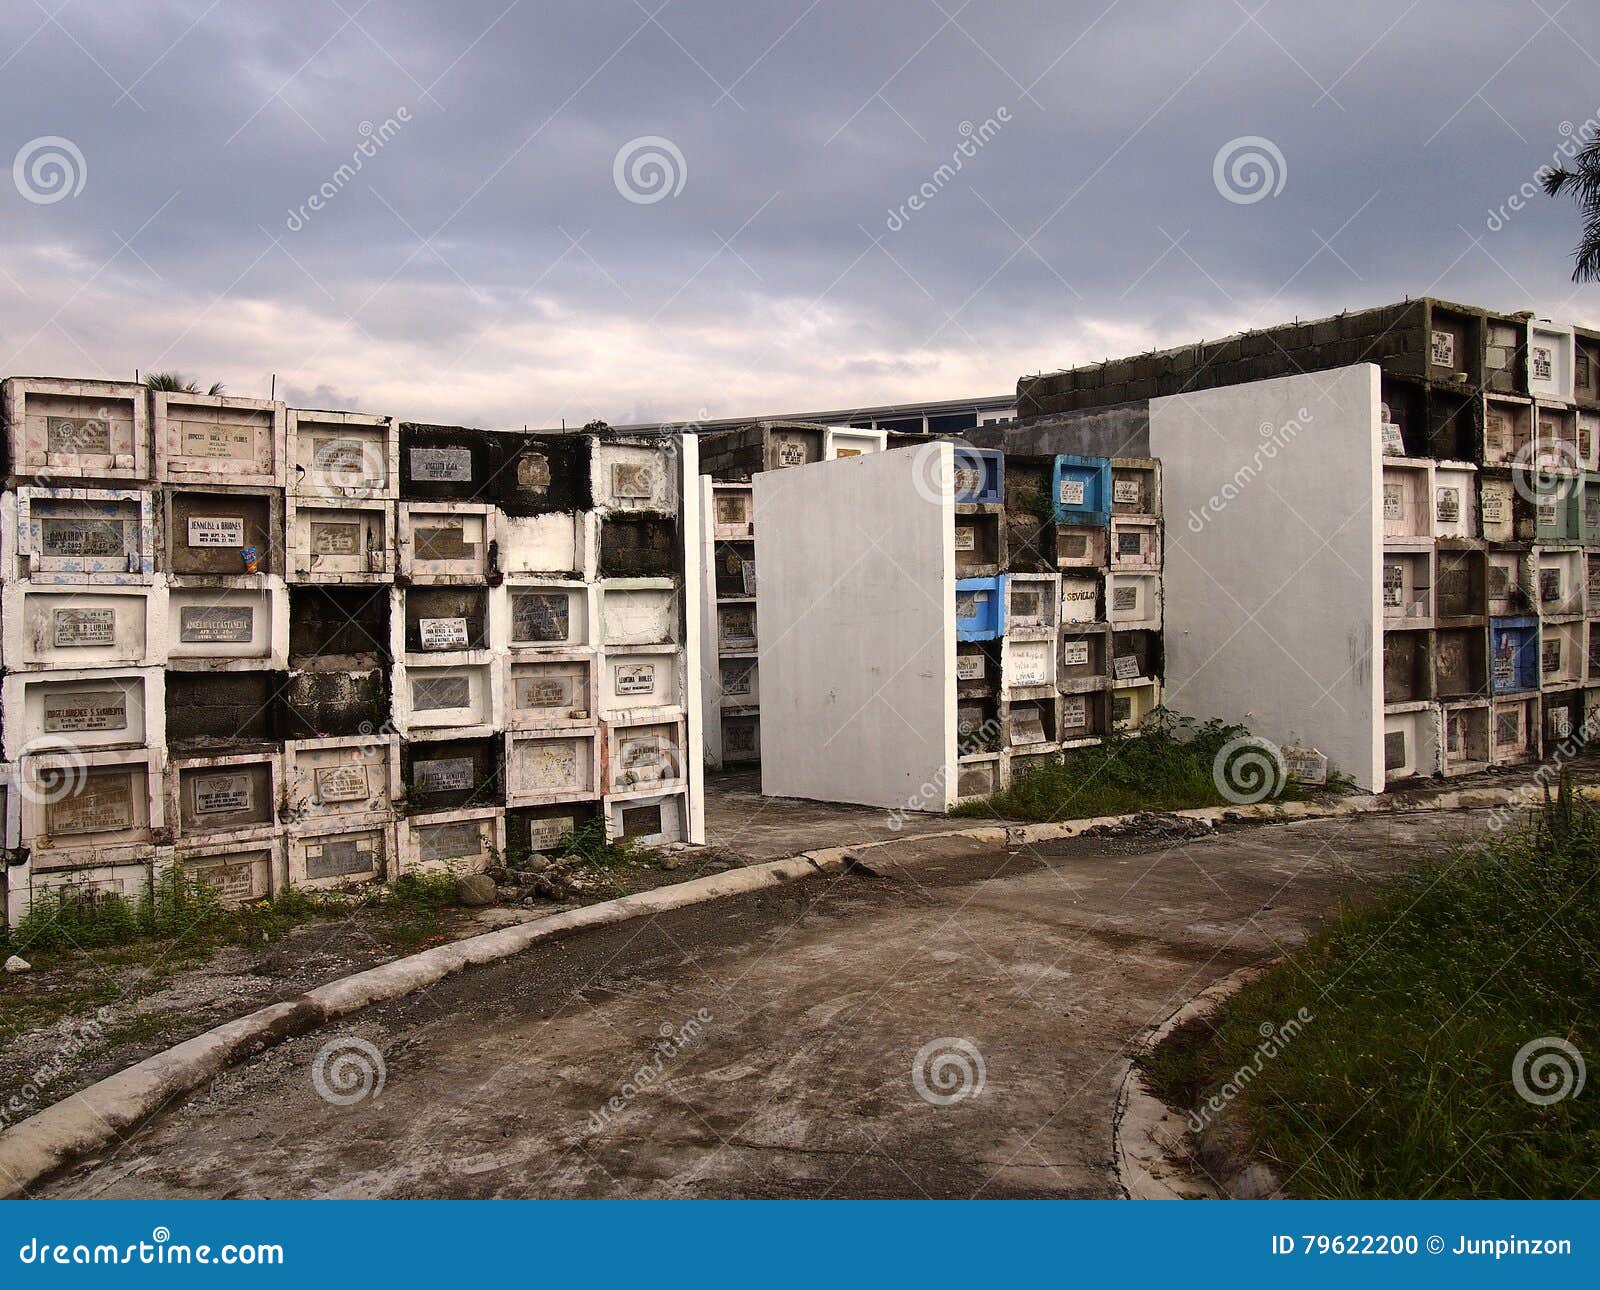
point(238, 872)
point(548, 767)
point(217, 532)
point(457, 842)
point(342, 859)
point(444, 619)
point(445, 542)
point(534, 829)
point(88, 626)
point(332, 540)
point(339, 780)
point(82, 709)
point(71, 430)
point(75, 805)
point(204, 438)
point(639, 546)
point(208, 797)
point(546, 614)
point(536, 474)
point(633, 475)
point(342, 454)
point(445, 774)
point(227, 628)
point(549, 690)
point(444, 463)
point(221, 711)
point(76, 536)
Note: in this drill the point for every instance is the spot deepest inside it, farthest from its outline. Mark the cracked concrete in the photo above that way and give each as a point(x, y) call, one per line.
point(542, 1076)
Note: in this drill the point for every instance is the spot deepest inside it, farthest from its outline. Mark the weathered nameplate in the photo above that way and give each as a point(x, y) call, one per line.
point(216, 530)
point(1074, 712)
point(102, 804)
point(1125, 667)
point(1126, 492)
point(330, 538)
point(85, 710)
point(233, 878)
point(737, 625)
point(223, 794)
point(731, 509)
point(632, 481)
point(547, 832)
point(969, 667)
point(1121, 709)
point(341, 857)
point(1130, 544)
point(445, 542)
point(1305, 765)
point(345, 457)
point(634, 678)
point(79, 536)
point(641, 821)
point(434, 693)
point(84, 626)
point(441, 465)
point(77, 434)
point(1070, 492)
point(234, 443)
point(453, 840)
point(340, 783)
point(533, 472)
point(551, 764)
point(1124, 598)
point(736, 679)
point(443, 633)
point(1027, 726)
point(545, 692)
point(1075, 654)
point(966, 537)
point(216, 624)
point(444, 775)
point(539, 616)
point(739, 737)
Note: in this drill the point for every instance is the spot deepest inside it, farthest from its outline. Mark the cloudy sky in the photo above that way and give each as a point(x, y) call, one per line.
point(520, 211)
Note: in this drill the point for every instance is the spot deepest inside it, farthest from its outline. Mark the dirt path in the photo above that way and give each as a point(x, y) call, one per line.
point(801, 1014)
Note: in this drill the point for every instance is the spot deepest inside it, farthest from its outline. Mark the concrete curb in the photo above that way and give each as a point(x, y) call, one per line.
point(84, 1122)
point(89, 1119)
point(1149, 1139)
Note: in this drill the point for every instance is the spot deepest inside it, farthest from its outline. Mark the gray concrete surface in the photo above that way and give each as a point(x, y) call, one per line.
point(816, 999)
point(742, 822)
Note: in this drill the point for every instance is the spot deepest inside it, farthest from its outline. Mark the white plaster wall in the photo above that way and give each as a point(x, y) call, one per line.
point(855, 572)
point(1273, 532)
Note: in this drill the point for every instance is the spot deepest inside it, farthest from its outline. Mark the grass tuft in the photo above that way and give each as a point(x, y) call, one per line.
point(1422, 999)
point(1170, 764)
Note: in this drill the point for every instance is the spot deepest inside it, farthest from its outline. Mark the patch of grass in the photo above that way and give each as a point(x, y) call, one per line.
point(1171, 764)
point(178, 921)
point(1420, 1002)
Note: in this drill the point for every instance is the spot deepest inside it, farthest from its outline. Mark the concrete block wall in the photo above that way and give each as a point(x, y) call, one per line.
point(289, 646)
